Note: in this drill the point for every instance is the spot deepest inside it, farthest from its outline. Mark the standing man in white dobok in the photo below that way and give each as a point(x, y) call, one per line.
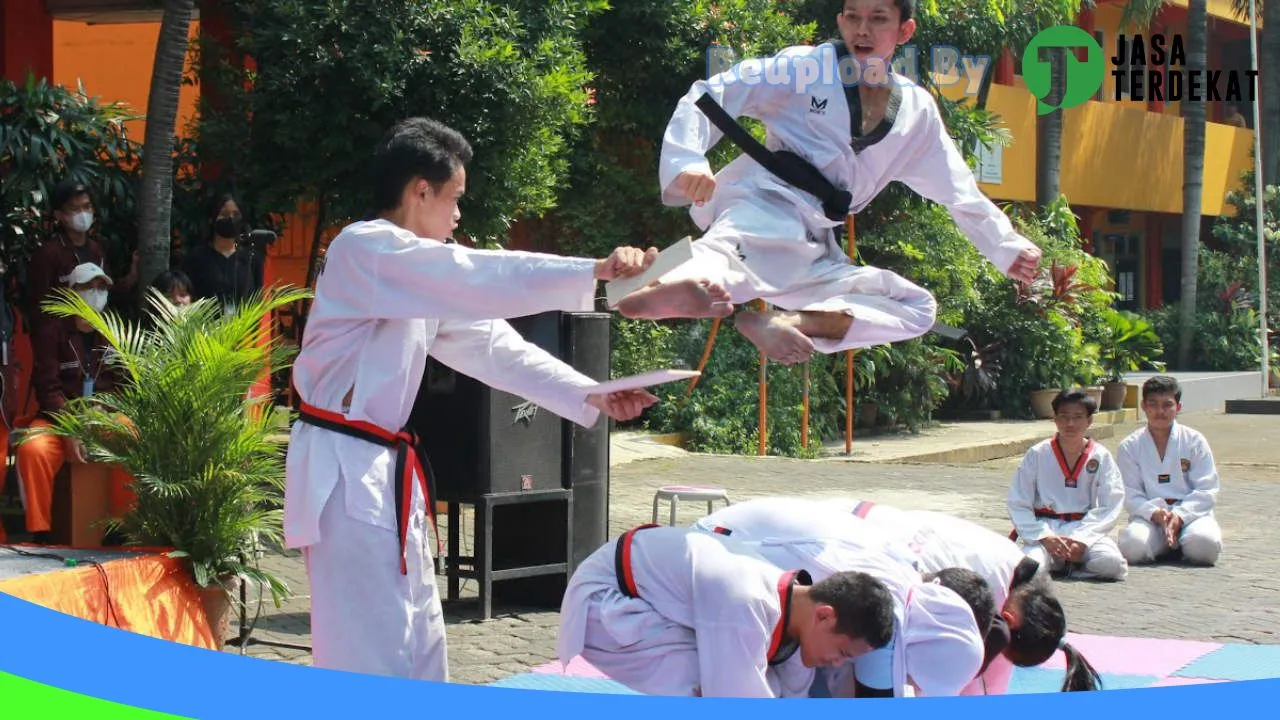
point(1171, 484)
point(389, 293)
point(674, 611)
point(941, 618)
point(770, 237)
point(1067, 496)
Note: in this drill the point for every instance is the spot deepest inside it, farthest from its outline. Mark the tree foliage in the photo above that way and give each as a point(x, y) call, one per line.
point(328, 77)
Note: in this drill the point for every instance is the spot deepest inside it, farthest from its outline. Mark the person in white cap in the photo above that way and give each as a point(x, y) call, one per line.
point(941, 619)
point(674, 611)
point(68, 359)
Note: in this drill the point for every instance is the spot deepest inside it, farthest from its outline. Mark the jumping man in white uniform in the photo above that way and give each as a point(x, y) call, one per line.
point(390, 293)
point(771, 237)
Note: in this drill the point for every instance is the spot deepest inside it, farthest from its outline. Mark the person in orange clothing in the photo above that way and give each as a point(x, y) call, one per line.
point(68, 359)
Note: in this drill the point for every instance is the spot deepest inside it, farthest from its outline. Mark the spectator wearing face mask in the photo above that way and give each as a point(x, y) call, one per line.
point(71, 244)
point(223, 268)
point(70, 362)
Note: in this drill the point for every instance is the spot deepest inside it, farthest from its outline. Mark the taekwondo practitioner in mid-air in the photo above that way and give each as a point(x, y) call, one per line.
point(675, 611)
point(1031, 624)
point(841, 126)
point(390, 293)
point(941, 618)
point(1067, 496)
point(1171, 484)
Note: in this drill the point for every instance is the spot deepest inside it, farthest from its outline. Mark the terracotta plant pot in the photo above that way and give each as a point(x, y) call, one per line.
point(1042, 403)
point(1113, 395)
point(217, 601)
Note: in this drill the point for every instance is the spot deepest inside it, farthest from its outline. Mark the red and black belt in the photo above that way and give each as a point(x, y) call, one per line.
point(781, 645)
point(1045, 513)
point(1068, 517)
point(411, 459)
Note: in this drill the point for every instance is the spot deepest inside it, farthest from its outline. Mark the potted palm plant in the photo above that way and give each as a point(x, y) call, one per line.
point(1129, 343)
point(206, 458)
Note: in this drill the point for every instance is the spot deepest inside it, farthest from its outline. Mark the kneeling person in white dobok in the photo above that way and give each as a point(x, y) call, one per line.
point(1067, 496)
point(1031, 624)
point(941, 618)
point(1171, 484)
point(673, 611)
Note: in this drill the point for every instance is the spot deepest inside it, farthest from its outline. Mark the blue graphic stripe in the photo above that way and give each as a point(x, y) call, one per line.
point(101, 662)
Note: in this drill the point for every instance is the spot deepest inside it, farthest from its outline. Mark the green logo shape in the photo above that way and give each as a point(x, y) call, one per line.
point(1083, 79)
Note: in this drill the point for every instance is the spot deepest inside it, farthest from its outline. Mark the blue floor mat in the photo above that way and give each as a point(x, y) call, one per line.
point(1236, 662)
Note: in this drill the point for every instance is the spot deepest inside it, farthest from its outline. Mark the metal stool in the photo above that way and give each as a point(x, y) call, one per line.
point(675, 493)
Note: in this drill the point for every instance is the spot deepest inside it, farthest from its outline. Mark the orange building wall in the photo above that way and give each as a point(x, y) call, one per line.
point(114, 63)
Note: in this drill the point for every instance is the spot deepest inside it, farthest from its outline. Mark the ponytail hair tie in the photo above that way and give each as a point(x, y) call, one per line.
point(1062, 644)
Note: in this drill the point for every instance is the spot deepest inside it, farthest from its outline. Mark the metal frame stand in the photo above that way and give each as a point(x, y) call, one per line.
point(480, 565)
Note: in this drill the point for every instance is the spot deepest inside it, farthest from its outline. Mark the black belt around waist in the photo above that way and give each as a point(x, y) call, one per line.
point(410, 457)
point(781, 645)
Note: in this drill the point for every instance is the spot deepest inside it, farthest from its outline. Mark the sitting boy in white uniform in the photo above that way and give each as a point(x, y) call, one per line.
point(1067, 496)
point(1170, 482)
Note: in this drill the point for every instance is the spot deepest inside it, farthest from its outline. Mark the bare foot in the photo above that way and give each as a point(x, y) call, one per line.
point(777, 337)
point(683, 299)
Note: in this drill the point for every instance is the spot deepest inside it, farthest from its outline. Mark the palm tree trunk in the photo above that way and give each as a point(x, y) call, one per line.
point(1269, 86)
point(1049, 133)
point(156, 196)
point(1193, 178)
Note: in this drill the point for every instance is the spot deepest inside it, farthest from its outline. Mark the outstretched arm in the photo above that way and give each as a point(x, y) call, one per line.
point(380, 272)
point(938, 172)
point(494, 353)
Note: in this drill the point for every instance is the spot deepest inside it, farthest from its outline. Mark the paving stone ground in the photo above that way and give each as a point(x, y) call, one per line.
point(1233, 602)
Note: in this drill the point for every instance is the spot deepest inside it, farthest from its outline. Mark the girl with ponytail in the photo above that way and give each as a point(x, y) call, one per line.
point(1080, 674)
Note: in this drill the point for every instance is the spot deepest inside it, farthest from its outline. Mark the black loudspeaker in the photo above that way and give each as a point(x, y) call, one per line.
point(480, 440)
point(586, 450)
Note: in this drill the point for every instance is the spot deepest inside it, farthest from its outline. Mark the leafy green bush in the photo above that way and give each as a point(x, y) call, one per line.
point(206, 459)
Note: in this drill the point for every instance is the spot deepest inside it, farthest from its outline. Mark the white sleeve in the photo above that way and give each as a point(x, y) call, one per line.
point(1022, 498)
point(494, 353)
point(732, 661)
point(1203, 479)
point(938, 172)
point(690, 135)
point(1108, 503)
point(381, 275)
point(1136, 501)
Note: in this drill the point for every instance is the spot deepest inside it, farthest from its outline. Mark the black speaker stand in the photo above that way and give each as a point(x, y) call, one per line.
point(558, 503)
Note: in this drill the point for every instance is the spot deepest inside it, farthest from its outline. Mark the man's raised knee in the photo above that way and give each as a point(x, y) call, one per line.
point(1199, 550)
point(1111, 566)
point(1134, 547)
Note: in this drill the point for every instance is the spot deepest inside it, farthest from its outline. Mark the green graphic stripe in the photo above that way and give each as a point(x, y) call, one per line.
point(24, 698)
